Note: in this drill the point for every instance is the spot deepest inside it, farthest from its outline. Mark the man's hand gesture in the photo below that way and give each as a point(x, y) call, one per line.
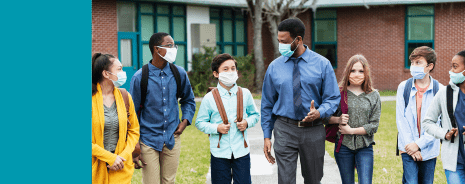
point(313, 114)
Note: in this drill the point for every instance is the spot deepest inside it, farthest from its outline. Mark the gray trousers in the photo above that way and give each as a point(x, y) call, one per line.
point(291, 141)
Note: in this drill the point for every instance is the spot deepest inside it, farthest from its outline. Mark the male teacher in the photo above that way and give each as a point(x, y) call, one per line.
point(299, 89)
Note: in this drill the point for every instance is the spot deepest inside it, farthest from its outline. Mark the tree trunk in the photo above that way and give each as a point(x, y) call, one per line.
point(273, 25)
point(257, 46)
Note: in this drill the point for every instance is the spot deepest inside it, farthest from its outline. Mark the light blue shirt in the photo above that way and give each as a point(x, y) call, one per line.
point(406, 118)
point(208, 119)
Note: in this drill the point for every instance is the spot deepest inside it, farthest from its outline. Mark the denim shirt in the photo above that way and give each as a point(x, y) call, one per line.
point(160, 116)
point(208, 119)
point(406, 118)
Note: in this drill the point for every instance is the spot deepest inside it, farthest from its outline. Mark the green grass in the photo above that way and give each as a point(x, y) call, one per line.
point(195, 156)
point(385, 150)
point(257, 96)
point(387, 93)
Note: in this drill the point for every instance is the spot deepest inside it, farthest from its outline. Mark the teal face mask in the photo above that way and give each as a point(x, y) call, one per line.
point(457, 78)
point(121, 78)
point(285, 49)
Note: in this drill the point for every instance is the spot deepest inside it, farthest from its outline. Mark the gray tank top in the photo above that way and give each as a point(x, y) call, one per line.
point(111, 130)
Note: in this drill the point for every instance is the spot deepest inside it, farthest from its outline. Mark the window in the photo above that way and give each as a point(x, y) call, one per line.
point(231, 30)
point(324, 40)
point(419, 24)
point(166, 18)
point(126, 19)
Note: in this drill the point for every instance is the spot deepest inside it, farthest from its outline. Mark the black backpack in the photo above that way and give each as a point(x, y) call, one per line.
point(450, 109)
point(145, 80)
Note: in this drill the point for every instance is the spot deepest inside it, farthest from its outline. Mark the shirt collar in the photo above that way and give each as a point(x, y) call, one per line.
point(157, 71)
point(223, 91)
point(305, 56)
point(430, 87)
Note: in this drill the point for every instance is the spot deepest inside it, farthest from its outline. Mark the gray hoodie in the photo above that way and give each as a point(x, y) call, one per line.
point(438, 108)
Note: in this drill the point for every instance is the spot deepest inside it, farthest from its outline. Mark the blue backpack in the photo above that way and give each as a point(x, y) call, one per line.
point(406, 95)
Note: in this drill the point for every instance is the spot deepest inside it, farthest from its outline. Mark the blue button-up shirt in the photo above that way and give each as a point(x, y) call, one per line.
point(406, 118)
point(160, 116)
point(317, 82)
point(208, 119)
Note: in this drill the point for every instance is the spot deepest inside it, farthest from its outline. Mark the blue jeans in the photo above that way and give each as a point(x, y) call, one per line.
point(221, 170)
point(347, 159)
point(456, 177)
point(417, 171)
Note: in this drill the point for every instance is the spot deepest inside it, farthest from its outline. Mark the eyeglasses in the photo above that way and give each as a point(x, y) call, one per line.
point(169, 46)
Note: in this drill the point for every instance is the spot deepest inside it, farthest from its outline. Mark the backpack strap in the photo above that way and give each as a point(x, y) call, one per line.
point(450, 109)
point(177, 77)
point(407, 89)
point(240, 110)
point(143, 86)
point(221, 110)
point(125, 95)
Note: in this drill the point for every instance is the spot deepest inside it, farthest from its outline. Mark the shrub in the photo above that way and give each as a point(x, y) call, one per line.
point(201, 76)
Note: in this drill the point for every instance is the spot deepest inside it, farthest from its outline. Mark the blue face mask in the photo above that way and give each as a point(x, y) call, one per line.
point(285, 49)
point(121, 78)
point(417, 72)
point(457, 78)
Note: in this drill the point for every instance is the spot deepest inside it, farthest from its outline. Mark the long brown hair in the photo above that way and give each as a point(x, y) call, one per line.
point(100, 62)
point(366, 85)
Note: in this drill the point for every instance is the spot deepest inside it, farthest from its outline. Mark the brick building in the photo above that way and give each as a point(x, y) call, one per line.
point(385, 32)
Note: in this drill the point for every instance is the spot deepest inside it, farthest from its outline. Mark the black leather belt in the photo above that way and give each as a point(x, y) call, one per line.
point(316, 122)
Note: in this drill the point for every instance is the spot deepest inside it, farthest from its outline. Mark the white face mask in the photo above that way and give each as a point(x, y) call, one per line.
point(170, 55)
point(228, 78)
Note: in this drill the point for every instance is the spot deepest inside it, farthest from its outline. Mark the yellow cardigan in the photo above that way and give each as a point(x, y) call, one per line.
point(124, 147)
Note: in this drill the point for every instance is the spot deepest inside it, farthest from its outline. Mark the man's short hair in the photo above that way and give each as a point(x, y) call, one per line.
point(156, 39)
point(294, 26)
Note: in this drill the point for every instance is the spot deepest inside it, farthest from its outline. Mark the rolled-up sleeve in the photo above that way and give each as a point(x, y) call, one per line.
point(269, 98)
point(338, 113)
point(372, 127)
point(331, 95)
point(187, 100)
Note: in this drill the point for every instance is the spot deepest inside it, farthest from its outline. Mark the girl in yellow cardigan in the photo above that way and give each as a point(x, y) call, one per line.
point(113, 139)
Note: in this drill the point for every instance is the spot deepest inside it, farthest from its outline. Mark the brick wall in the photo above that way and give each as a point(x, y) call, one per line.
point(104, 27)
point(378, 33)
point(449, 36)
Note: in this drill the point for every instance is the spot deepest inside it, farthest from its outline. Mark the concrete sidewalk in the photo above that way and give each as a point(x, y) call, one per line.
point(264, 173)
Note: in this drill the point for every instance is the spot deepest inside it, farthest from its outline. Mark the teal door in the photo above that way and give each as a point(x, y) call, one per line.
point(127, 46)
